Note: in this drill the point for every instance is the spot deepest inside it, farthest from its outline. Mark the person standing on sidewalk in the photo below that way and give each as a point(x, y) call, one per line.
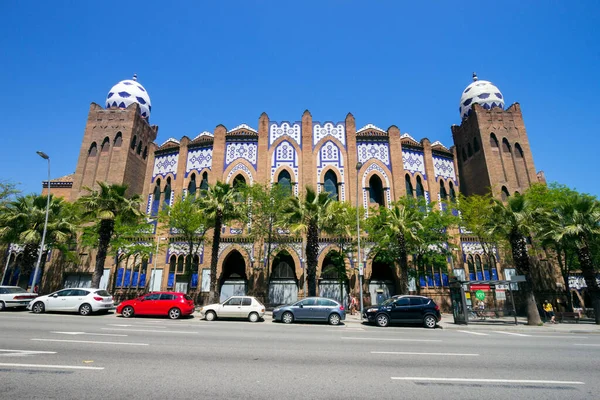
point(549, 310)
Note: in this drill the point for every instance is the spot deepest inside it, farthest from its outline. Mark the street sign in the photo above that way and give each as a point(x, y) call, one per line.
point(500, 295)
point(518, 278)
point(501, 287)
point(480, 294)
point(476, 287)
point(360, 269)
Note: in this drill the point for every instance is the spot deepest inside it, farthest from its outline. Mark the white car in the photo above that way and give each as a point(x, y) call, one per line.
point(82, 300)
point(246, 307)
point(14, 296)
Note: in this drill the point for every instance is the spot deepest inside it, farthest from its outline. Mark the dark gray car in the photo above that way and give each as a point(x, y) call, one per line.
point(311, 309)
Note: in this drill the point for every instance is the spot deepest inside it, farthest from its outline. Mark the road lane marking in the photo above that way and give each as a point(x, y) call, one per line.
point(475, 333)
point(147, 330)
point(91, 342)
point(410, 353)
point(524, 381)
point(512, 333)
point(49, 366)
point(29, 351)
point(86, 333)
point(125, 325)
point(22, 353)
point(391, 339)
point(346, 329)
point(585, 344)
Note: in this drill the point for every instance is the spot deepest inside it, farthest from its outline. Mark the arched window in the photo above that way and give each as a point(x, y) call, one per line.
point(443, 193)
point(493, 141)
point(475, 144)
point(420, 190)
point(133, 142)
point(105, 145)
point(283, 270)
point(471, 266)
point(139, 148)
point(469, 150)
point(409, 186)
point(376, 190)
point(519, 151)
point(173, 264)
point(239, 181)
point(180, 264)
point(118, 139)
point(145, 152)
point(192, 186)
point(168, 191)
point(204, 182)
point(93, 150)
point(452, 192)
point(330, 184)
point(504, 193)
point(505, 146)
point(285, 181)
point(155, 198)
point(478, 268)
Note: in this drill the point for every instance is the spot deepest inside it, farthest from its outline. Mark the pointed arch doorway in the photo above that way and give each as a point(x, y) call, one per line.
point(233, 280)
point(283, 285)
point(382, 282)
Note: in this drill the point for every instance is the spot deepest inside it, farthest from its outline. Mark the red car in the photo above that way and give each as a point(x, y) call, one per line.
point(173, 304)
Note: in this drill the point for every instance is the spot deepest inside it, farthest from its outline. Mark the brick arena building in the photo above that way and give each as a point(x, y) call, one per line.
point(491, 150)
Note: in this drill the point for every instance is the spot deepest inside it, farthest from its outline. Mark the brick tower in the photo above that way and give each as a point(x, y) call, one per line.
point(492, 148)
point(117, 141)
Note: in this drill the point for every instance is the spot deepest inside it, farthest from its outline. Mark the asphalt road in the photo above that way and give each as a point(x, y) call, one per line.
point(57, 356)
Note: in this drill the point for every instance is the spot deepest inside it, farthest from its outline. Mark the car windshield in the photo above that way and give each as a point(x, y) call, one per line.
point(11, 290)
point(388, 301)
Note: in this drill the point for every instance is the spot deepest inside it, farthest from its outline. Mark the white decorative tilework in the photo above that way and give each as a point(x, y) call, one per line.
point(438, 143)
point(205, 133)
point(369, 127)
point(237, 168)
point(476, 248)
point(285, 155)
point(578, 281)
point(413, 161)
point(235, 231)
point(15, 248)
point(172, 140)
point(330, 155)
point(245, 150)
point(337, 131)
point(198, 159)
point(293, 131)
point(182, 248)
point(243, 126)
point(407, 136)
point(165, 164)
point(444, 167)
point(377, 150)
point(149, 205)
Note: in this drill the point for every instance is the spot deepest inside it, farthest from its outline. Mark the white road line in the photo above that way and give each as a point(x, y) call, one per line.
point(585, 344)
point(410, 353)
point(147, 330)
point(29, 351)
point(50, 366)
point(125, 325)
point(90, 342)
point(346, 329)
point(512, 333)
point(475, 333)
point(92, 334)
point(524, 381)
point(390, 339)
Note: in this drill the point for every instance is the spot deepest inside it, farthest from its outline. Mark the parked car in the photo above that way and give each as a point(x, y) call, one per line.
point(246, 307)
point(171, 304)
point(14, 296)
point(407, 309)
point(82, 300)
point(311, 309)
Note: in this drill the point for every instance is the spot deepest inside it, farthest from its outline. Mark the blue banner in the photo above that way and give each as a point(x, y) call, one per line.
point(171, 280)
point(422, 281)
point(436, 279)
point(444, 279)
point(479, 276)
point(471, 276)
point(134, 280)
point(127, 278)
point(494, 273)
point(430, 280)
point(119, 279)
point(194, 280)
point(487, 275)
point(142, 282)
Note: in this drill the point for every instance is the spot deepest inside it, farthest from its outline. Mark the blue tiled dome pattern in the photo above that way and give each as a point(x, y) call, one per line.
point(126, 92)
point(482, 92)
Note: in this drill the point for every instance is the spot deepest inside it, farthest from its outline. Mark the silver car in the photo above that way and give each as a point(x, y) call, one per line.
point(82, 300)
point(311, 309)
point(14, 296)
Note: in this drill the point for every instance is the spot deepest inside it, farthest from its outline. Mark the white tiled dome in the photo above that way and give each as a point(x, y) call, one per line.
point(482, 92)
point(127, 92)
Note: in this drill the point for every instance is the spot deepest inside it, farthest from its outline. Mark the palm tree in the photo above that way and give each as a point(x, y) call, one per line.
point(22, 221)
point(578, 222)
point(218, 203)
point(104, 206)
point(309, 216)
point(514, 222)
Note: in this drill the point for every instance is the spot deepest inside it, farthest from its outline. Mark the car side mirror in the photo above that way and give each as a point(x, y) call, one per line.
point(55, 295)
point(301, 306)
point(142, 299)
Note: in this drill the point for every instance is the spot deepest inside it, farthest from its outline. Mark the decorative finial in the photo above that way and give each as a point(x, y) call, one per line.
point(474, 76)
point(135, 77)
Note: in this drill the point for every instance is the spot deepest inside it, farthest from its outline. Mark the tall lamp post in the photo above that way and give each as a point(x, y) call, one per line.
point(360, 264)
point(39, 260)
point(155, 261)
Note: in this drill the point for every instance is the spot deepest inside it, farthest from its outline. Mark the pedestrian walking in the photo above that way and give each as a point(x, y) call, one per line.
point(353, 304)
point(549, 310)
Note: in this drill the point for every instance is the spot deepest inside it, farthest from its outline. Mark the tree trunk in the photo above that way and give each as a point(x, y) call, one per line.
point(214, 259)
point(589, 274)
point(312, 254)
point(521, 259)
point(403, 261)
point(105, 233)
point(564, 269)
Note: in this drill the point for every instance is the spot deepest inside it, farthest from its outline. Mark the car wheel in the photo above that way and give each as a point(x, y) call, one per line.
point(382, 320)
point(429, 321)
point(2, 306)
point(210, 316)
point(174, 313)
point(334, 319)
point(85, 309)
point(253, 317)
point(38, 307)
point(287, 317)
point(127, 312)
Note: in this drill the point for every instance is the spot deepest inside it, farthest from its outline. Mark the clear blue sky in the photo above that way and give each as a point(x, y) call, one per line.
point(387, 62)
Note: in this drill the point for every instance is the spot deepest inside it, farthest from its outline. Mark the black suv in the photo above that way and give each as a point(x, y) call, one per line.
point(409, 309)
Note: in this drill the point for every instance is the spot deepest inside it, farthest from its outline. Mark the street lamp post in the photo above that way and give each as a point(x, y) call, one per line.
point(155, 262)
point(304, 270)
point(360, 264)
point(39, 260)
point(6, 267)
